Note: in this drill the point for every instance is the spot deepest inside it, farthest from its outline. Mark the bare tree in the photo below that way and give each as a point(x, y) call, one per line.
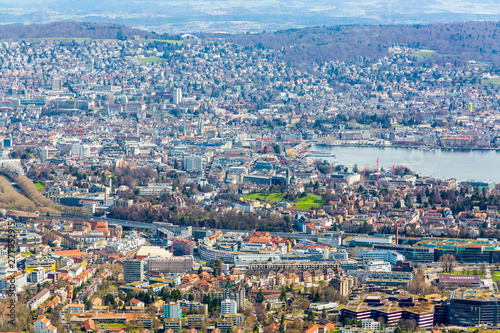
point(260, 312)
point(482, 267)
point(381, 320)
point(448, 262)
point(407, 324)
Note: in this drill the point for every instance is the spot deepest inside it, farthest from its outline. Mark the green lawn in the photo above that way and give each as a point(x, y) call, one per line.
point(148, 60)
point(267, 197)
point(492, 81)
point(163, 113)
point(496, 277)
point(114, 325)
point(467, 272)
point(39, 186)
point(422, 54)
point(425, 52)
point(310, 201)
point(169, 41)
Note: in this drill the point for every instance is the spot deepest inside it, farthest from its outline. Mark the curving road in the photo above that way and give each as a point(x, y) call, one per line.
point(143, 225)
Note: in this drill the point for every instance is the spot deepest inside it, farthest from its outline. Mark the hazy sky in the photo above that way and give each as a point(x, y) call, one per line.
point(196, 15)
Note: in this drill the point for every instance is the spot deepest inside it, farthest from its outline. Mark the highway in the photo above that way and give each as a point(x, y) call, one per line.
point(143, 225)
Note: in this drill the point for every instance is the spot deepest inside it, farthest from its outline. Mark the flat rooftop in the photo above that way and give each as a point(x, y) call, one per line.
point(475, 294)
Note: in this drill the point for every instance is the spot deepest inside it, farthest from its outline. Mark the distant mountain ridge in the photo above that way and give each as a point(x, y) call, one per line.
point(73, 30)
point(181, 16)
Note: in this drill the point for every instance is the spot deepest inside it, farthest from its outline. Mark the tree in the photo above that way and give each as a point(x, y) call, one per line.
point(277, 149)
point(448, 262)
point(418, 285)
point(317, 297)
point(88, 303)
point(407, 201)
point(482, 267)
point(259, 298)
point(260, 312)
point(283, 295)
point(175, 295)
point(381, 320)
point(397, 205)
point(407, 324)
point(109, 299)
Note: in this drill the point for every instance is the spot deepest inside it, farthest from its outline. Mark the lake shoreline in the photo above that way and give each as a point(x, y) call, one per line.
point(444, 163)
point(424, 148)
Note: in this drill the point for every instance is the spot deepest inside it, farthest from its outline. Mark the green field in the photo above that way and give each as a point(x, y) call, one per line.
point(113, 325)
point(422, 54)
point(39, 186)
point(492, 81)
point(169, 41)
point(310, 201)
point(425, 52)
point(163, 113)
point(466, 272)
point(267, 197)
point(149, 60)
point(495, 275)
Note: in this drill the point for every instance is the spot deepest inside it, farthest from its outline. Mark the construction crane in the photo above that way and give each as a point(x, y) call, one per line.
point(239, 107)
point(260, 139)
point(288, 143)
point(81, 132)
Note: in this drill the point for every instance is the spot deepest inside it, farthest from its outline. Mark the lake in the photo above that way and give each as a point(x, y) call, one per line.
point(459, 164)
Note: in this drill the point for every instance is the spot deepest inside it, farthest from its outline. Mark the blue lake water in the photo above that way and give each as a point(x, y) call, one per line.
point(459, 164)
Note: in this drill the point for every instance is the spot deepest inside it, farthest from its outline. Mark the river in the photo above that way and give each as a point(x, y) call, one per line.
point(459, 164)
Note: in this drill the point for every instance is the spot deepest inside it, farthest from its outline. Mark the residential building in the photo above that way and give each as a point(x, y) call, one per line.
point(229, 306)
point(16, 280)
point(172, 310)
point(133, 270)
point(38, 299)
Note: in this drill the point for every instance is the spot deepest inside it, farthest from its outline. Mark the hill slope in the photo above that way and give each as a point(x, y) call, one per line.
point(73, 30)
point(257, 15)
point(453, 41)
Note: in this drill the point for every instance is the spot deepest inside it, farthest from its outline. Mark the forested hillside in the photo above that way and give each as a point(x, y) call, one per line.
point(73, 30)
point(453, 41)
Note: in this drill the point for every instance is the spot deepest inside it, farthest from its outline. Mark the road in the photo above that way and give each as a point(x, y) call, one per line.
point(143, 225)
